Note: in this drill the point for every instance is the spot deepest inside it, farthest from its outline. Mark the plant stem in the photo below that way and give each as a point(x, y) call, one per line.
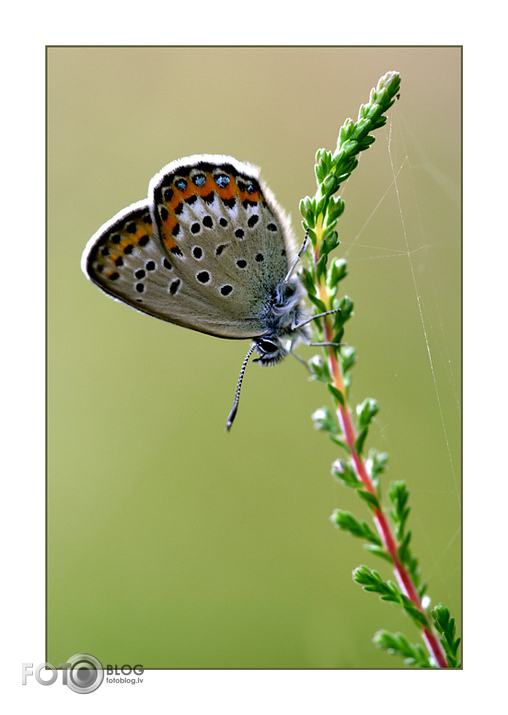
point(321, 280)
point(380, 518)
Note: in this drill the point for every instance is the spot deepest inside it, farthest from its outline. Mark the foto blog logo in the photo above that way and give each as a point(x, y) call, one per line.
point(82, 673)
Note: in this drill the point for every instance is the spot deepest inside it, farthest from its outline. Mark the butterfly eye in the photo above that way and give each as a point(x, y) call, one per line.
point(267, 345)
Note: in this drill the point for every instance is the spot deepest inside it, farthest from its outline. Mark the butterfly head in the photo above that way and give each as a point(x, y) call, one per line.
point(282, 323)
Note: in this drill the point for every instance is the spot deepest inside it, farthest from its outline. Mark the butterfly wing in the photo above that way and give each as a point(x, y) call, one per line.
point(206, 251)
point(126, 260)
point(228, 238)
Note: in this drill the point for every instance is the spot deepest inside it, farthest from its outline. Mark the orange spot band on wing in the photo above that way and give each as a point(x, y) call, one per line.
point(250, 197)
point(169, 241)
point(207, 187)
point(168, 227)
point(229, 191)
point(125, 242)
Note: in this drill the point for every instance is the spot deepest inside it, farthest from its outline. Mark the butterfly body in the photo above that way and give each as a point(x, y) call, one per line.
point(210, 250)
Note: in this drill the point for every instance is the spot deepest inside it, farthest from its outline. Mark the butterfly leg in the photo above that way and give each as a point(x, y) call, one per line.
point(315, 317)
point(300, 360)
point(307, 341)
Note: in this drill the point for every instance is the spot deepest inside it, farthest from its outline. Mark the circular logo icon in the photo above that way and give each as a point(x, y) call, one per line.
point(85, 673)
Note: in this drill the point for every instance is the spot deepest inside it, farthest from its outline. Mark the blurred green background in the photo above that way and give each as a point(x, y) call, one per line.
point(170, 542)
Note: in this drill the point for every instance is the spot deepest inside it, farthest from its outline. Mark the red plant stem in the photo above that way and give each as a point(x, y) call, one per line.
point(380, 519)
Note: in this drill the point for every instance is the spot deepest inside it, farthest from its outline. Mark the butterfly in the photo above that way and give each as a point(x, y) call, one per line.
point(210, 250)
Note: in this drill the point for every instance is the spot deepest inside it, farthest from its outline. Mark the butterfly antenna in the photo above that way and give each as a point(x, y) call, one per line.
point(299, 255)
point(233, 412)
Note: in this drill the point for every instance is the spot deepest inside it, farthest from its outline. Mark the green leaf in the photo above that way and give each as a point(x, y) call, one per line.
point(339, 442)
point(317, 302)
point(336, 208)
point(370, 580)
point(312, 235)
point(344, 471)
point(337, 339)
point(346, 306)
point(376, 463)
point(321, 268)
point(321, 205)
point(319, 368)
point(324, 421)
point(419, 618)
point(411, 563)
point(398, 644)
point(370, 499)
point(336, 272)
point(403, 549)
point(345, 521)
point(366, 411)
point(323, 164)
point(329, 243)
point(330, 184)
point(307, 277)
point(345, 132)
point(445, 626)
point(388, 591)
point(347, 355)
point(378, 551)
point(360, 439)
point(307, 209)
point(399, 496)
point(336, 393)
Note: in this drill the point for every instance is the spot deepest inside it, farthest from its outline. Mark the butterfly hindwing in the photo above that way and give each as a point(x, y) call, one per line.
point(126, 260)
